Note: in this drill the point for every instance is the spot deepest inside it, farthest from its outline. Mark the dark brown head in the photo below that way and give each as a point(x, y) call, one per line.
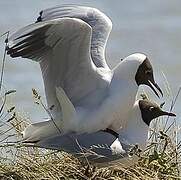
point(144, 75)
point(150, 111)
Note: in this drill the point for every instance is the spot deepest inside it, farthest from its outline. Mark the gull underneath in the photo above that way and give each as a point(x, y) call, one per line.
point(103, 147)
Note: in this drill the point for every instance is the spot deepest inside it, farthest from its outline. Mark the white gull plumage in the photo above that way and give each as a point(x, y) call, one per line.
point(69, 43)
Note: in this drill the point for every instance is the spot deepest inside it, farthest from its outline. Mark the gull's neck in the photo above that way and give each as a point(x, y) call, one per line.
point(124, 78)
point(126, 70)
point(136, 131)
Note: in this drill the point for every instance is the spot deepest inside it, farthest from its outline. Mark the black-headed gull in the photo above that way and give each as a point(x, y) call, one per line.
point(101, 147)
point(69, 43)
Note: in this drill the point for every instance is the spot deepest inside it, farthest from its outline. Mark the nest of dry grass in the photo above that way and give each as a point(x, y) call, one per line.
point(161, 159)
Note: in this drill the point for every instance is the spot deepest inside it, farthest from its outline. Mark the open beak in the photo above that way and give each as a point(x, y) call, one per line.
point(152, 84)
point(164, 113)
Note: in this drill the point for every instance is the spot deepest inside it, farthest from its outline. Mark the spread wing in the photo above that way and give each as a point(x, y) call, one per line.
point(100, 23)
point(62, 46)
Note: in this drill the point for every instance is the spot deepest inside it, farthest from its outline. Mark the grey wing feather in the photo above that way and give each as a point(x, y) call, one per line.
point(100, 23)
point(96, 147)
point(28, 42)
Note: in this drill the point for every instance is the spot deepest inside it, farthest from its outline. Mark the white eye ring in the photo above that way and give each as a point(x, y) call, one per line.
point(148, 72)
point(151, 108)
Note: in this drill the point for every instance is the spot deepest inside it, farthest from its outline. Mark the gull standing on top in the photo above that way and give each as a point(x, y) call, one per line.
point(69, 43)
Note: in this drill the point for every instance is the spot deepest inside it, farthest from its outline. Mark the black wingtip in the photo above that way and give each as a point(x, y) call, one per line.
point(30, 142)
point(6, 40)
point(39, 19)
point(7, 48)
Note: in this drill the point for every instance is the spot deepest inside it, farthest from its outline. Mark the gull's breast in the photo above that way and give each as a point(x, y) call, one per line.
point(121, 105)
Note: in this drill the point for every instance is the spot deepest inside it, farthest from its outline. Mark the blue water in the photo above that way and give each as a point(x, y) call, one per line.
point(152, 27)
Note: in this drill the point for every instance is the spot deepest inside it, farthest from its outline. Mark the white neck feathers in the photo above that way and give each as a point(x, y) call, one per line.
point(128, 67)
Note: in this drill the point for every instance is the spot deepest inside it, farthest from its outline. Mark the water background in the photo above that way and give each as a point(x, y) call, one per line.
point(152, 27)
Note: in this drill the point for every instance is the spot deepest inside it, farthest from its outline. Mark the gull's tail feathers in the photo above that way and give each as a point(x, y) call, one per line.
point(38, 131)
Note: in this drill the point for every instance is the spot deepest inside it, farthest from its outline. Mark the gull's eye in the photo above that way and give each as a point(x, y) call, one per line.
point(152, 108)
point(148, 72)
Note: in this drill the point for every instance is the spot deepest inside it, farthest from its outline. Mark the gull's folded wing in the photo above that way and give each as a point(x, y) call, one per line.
point(62, 46)
point(95, 147)
point(101, 26)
